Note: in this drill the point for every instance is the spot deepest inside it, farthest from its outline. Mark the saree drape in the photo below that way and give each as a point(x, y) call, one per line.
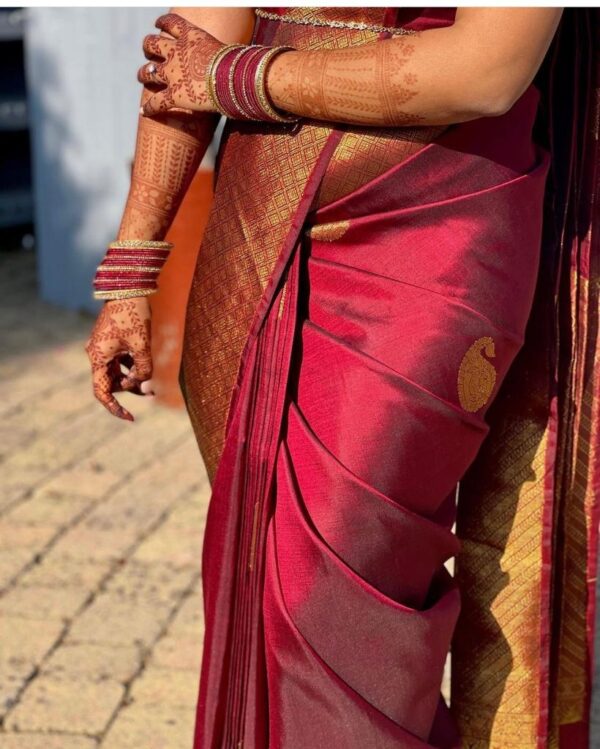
point(374, 322)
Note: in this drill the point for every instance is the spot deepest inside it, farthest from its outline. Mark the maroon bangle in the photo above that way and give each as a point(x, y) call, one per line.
point(130, 270)
point(222, 89)
point(236, 82)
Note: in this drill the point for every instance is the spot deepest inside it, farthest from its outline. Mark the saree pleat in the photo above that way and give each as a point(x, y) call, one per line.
point(348, 344)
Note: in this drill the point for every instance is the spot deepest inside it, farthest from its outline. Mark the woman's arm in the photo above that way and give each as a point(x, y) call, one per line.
point(168, 151)
point(478, 66)
point(169, 147)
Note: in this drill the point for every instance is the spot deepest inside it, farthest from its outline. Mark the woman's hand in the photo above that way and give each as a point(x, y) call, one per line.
point(178, 66)
point(121, 337)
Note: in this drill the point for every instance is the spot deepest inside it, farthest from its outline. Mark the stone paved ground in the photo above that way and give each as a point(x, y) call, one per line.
point(100, 537)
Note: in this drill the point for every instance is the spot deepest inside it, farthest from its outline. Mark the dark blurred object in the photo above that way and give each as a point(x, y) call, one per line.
point(16, 197)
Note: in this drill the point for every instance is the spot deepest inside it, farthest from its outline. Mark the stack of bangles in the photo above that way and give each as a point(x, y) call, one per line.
point(236, 82)
point(130, 268)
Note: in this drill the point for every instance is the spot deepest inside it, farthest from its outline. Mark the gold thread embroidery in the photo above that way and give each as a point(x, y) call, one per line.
point(476, 375)
point(329, 232)
point(332, 24)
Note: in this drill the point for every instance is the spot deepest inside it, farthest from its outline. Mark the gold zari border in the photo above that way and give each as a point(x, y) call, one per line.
point(358, 26)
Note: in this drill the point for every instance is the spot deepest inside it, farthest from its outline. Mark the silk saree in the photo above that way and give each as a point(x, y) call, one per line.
point(391, 361)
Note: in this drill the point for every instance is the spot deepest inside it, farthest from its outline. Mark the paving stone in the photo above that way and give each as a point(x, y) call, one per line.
point(159, 686)
point(162, 727)
point(178, 541)
point(189, 620)
point(56, 570)
point(13, 435)
point(47, 509)
point(18, 536)
point(178, 652)
point(16, 486)
point(12, 563)
point(58, 447)
point(45, 741)
point(86, 479)
point(94, 662)
point(176, 546)
point(90, 543)
point(27, 640)
point(69, 705)
point(156, 584)
point(113, 620)
point(13, 678)
point(190, 512)
point(36, 602)
point(135, 444)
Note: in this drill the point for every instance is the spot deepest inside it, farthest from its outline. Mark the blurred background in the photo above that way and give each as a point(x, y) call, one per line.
point(101, 520)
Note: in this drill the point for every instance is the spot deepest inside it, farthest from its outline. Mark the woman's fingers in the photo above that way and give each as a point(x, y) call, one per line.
point(153, 73)
point(140, 371)
point(102, 385)
point(173, 24)
point(155, 45)
point(159, 102)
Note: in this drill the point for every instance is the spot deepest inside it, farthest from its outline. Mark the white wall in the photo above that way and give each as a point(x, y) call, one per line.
point(84, 101)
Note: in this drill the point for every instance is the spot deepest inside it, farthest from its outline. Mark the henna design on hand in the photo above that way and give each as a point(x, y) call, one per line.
point(183, 70)
point(168, 153)
point(367, 84)
point(121, 336)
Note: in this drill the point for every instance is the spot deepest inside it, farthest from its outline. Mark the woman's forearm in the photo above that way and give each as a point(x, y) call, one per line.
point(476, 67)
point(167, 154)
point(170, 146)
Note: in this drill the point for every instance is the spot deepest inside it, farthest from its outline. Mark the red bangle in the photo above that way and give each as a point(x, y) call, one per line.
point(236, 82)
point(130, 268)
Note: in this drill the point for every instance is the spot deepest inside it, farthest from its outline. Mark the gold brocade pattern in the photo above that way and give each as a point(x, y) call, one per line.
point(262, 176)
point(260, 184)
point(364, 153)
point(497, 650)
point(308, 16)
point(477, 375)
point(578, 497)
point(329, 232)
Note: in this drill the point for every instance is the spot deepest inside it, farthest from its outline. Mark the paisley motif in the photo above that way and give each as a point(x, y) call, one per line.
point(329, 232)
point(476, 374)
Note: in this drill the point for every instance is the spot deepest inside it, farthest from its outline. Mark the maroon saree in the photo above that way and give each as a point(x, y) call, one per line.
point(374, 321)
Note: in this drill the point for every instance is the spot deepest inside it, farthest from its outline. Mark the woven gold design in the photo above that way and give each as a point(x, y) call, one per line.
point(329, 232)
point(262, 176)
point(364, 153)
point(261, 181)
point(496, 651)
point(123, 293)
point(477, 375)
point(310, 19)
point(140, 244)
point(144, 268)
point(577, 497)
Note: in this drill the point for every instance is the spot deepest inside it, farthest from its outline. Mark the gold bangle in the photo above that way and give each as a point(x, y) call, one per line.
point(250, 107)
point(261, 86)
point(142, 244)
point(210, 77)
point(123, 293)
point(129, 267)
point(234, 98)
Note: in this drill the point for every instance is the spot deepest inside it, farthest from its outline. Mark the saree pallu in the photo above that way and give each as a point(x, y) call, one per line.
point(360, 297)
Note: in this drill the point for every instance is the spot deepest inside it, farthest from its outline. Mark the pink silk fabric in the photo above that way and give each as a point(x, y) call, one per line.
point(347, 435)
point(440, 252)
